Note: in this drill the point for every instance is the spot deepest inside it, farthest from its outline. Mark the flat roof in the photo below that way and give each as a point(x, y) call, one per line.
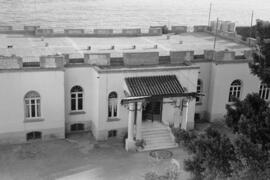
point(30, 48)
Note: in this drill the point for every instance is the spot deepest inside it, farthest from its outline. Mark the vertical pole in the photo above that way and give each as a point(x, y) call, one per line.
point(215, 40)
point(250, 30)
point(209, 16)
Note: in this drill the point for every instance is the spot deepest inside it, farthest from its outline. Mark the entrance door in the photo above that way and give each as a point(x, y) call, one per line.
point(152, 111)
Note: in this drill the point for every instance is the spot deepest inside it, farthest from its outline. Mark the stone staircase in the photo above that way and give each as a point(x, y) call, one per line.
point(157, 136)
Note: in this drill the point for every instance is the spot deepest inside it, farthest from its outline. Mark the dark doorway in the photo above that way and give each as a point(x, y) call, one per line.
point(152, 111)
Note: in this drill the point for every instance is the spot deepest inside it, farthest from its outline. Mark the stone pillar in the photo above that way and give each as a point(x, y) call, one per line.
point(130, 143)
point(139, 121)
point(177, 109)
point(185, 115)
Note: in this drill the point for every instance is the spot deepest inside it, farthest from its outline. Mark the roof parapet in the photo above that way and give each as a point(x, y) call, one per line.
point(179, 57)
point(135, 31)
point(73, 31)
point(100, 59)
point(179, 29)
point(10, 62)
point(52, 61)
point(141, 58)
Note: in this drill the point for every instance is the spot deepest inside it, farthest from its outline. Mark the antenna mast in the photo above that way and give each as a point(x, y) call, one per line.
point(250, 30)
point(209, 16)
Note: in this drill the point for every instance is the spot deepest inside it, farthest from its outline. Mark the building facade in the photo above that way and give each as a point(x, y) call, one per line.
point(113, 96)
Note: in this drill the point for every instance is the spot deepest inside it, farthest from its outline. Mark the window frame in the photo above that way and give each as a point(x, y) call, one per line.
point(200, 86)
point(235, 90)
point(112, 105)
point(76, 99)
point(32, 105)
point(264, 91)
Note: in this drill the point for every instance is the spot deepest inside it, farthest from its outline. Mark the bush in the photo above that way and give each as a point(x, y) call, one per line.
point(183, 137)
point(212, 154)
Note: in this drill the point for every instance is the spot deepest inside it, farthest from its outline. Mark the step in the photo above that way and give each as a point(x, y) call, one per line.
point(154, 129)
point(155, 132)
point(158, 139)
point(150, 144)
point(159, 147)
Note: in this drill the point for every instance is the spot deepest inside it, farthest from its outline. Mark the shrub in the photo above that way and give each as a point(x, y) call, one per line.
point(183, 137)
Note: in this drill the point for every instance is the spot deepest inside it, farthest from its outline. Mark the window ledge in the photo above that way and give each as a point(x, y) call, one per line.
point(28, 120)
point(113, 119)
point(76, 112)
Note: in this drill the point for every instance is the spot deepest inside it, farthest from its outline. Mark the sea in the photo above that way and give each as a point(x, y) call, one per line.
point(117, 14)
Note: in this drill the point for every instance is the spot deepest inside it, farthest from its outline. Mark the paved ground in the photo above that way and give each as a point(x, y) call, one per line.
point(78, 158)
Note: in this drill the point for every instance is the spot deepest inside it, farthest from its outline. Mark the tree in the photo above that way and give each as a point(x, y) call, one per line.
point(261, 64)
point(212, 154)
point(250, 117)
point(253, 163)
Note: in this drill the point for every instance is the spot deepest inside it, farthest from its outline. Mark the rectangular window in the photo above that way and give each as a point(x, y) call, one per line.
point(73, 104)
point(112, 133)
point(80, 104)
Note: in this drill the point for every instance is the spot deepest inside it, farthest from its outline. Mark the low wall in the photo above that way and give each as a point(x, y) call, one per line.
point(179, 29)
point(6, 28)
point(44, 32)
point(52, 61)
point(31, 28)
point(200, 28)
point(141, 58)
point(10, 62)
point(105, 32)
point(73, 31)
point(181, 56)
point(155, 31)
point(101, 59)
point(131, 32)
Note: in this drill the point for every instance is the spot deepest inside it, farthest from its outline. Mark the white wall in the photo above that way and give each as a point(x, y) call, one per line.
point(87, 78)
point(14, 86)
point(205, 76)
point(222, 77)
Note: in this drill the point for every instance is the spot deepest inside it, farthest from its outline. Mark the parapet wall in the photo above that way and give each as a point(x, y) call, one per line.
point(47, 32)
point(128, 59)
point(12, 62)
point(45, 62)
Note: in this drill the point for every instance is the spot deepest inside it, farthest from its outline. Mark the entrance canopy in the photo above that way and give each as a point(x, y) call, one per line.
point(145, 87)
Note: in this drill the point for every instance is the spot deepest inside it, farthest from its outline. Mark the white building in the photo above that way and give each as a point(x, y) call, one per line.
point(140, 86)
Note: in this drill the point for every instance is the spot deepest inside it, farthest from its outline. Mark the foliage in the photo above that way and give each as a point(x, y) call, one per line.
point(253, 163)
point(261, 63)
point(183, 137)
point(212, 154)
point(250, 117)
point(140, 143)
point(244, 31)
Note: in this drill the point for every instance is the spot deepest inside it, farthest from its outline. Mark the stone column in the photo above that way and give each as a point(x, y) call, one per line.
point(184, 114)
point(177, 112)
point(130, 143)
point(139, 121)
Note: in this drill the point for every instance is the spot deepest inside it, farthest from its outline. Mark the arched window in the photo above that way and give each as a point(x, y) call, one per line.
point(76, 94)
point(264, 91)
point(199, 90)
point(33, 135)
point(32, 105)
point(112, 105)
point(235, 89)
